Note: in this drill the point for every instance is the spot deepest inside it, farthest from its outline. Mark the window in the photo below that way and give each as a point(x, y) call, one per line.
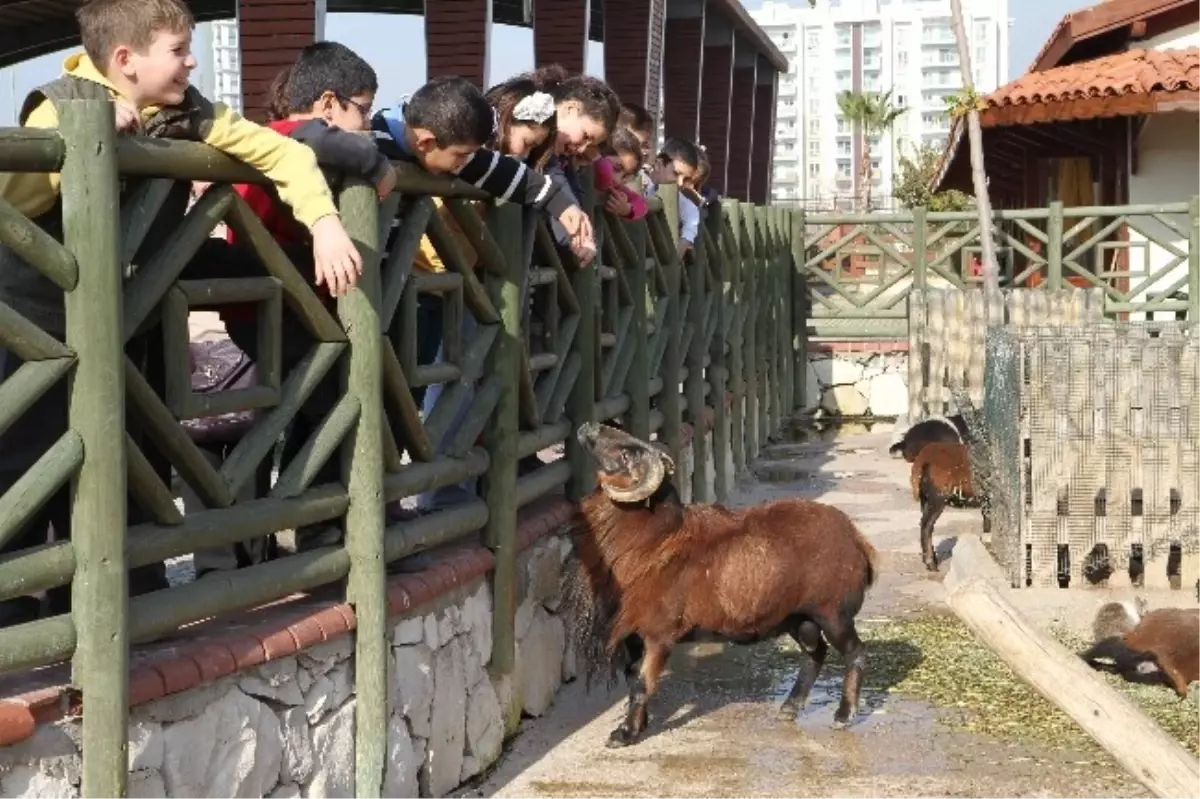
point(843, 169)
point(981, 30)
point(843, 126)
point(843, 147)
point(814, 190)
point(901, 59)
point(814, 41)
point(814, 105)
point(843, 36)
point(901, 101)
point(814, 127)
point(814, 171)
point(947, 56)
point(814, 148)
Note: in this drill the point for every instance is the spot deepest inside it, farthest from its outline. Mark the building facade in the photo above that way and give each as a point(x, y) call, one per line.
point(906, 46)
point(219, 61)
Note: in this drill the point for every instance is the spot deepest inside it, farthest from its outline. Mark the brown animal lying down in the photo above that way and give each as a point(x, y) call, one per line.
point(1164, 647)
point(652, 572)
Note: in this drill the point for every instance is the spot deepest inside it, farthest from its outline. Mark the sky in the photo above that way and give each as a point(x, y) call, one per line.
point(395, 45)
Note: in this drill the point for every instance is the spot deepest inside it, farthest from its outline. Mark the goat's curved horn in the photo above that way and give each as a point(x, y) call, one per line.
point(655, 472)
point(661, 450)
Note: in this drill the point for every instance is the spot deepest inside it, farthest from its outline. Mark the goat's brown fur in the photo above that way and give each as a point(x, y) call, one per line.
point(941, 472)
point(1168, 638)
point(669, 573)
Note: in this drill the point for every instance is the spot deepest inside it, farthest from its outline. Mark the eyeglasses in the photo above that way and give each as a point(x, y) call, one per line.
point(365, 110)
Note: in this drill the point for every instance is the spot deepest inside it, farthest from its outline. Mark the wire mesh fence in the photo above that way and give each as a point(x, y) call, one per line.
point(1090, 446)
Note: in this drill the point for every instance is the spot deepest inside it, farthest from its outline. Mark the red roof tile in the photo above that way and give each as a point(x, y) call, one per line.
point(1131, 72)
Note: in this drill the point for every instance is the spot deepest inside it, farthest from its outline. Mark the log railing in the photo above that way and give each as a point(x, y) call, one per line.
point(642, 337)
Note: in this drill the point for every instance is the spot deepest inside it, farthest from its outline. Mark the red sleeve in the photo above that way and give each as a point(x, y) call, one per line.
point(637, 203)
point(603, 171)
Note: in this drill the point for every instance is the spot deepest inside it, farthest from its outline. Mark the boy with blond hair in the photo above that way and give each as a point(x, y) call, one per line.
point(137, 53)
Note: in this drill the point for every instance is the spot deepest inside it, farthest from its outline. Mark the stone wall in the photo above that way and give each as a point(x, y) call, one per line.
point(286, 726)
point(854, 379)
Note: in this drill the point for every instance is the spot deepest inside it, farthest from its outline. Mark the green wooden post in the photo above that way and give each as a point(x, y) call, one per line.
point(1054, 246)
point(638, 381)
point(1194, 259)
point(750, 268)
point(362, 469)
point(96, 410)
point(762, 342)
point(718, 373)
point(666, 232)
point(581, 402)
point(732, 247)
point(783, 312)
point(694, 386)
point(920, 256)
point(500, 481)
point(799, 313)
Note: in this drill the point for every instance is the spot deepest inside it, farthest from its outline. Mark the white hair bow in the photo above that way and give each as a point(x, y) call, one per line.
point(536, 108)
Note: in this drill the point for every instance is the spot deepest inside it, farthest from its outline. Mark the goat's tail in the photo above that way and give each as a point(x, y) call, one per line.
point(925, 487)
point(872, 562)
point(897, 448)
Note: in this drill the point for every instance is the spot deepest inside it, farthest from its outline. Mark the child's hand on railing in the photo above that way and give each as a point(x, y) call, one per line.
point(128, 119)
point(579, 228)
point(618, 204)
point(387, 183)
point(338, 263)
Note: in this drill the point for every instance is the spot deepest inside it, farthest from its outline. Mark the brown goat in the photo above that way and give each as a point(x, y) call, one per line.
point(941, 473)
point(1167, 638)
point(663, 573)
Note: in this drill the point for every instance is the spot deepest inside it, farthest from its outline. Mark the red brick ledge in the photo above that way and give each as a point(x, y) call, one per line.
point(288, 630)
point(858, 345)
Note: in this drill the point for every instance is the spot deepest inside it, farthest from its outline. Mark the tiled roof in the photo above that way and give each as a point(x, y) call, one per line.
point(1128, 73)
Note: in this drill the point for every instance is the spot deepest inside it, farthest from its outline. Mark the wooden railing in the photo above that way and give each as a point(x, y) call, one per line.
point(860, 269)
point(643, 337)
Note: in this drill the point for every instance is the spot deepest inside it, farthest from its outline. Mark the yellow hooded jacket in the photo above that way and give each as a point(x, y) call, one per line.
point(289, 164)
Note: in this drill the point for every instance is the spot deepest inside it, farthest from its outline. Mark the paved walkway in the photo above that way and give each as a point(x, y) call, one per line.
point(713, 730)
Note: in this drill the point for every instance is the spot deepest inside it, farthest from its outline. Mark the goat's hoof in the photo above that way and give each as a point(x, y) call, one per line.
point(619, 738)
point(931, 565)
point(786, 712)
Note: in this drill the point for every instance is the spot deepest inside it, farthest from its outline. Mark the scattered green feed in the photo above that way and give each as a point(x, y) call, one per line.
point(939, 660)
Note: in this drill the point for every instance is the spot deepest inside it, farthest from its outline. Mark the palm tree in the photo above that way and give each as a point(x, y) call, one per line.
point(987, 241)
point(873, 113)
point(991, 270)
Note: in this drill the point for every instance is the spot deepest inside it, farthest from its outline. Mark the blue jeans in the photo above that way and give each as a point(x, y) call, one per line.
point(451, 494)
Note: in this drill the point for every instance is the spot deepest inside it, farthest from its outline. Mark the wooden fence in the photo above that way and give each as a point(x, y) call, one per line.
point(860, 270)
point(1095, 461)
point(947, 336)
point(643, 338)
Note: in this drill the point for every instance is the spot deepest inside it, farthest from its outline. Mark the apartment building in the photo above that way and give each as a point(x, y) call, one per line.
point(869, 45)
point(219, 62)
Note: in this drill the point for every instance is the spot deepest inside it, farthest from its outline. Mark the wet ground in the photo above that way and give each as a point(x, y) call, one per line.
point(714, 730)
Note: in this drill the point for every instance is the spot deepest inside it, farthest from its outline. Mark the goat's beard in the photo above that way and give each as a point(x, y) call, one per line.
point(589, 620)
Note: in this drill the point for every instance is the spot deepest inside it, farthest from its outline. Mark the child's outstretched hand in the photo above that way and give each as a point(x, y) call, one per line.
point(387, 183)
point(127, 117)
point(338, 263)
point(579, 228)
